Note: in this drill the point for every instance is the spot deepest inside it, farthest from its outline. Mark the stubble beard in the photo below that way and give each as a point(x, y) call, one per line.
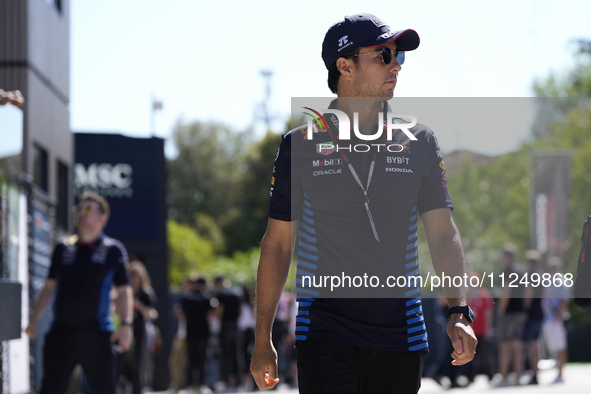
point(361, 88)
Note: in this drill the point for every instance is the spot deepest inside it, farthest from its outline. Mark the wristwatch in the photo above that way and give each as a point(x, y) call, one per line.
point(127, 322)
point(464, 310)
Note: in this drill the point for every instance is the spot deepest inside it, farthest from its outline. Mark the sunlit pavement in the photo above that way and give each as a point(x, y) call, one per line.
point(577, 379)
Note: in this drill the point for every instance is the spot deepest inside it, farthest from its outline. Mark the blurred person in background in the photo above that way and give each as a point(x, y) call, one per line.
point(196, 307)
point(555, 305)
point(511, 320)
point(143, 313)
point(246, 323)
point(83, 269)
point(177, 361)
point(482, 304)
point(230, 299)
point(535, 315)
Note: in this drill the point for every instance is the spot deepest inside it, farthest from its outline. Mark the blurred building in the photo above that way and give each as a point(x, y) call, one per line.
point(35, 59)
point(36, 190)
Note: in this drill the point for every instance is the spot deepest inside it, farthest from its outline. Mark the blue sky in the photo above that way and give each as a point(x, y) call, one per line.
point(203, 59)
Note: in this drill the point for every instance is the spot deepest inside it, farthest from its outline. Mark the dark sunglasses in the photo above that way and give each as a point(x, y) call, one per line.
point(84, 210)
point(386, 55)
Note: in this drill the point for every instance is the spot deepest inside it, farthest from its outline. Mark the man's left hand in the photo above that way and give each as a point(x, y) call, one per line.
point(462, 338)
point(124, 336)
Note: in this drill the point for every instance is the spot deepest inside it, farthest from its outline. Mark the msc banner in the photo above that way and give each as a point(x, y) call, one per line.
point(128, 172)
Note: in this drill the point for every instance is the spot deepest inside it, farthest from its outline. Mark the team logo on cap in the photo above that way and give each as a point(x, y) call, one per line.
point(344, 43)
point(325, 148)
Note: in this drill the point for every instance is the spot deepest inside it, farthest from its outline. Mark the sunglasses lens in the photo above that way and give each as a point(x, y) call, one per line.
point(83, 210)
point(386, 55)
point(400, 57)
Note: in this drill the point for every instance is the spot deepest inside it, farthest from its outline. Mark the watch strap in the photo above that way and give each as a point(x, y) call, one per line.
point(464, 310)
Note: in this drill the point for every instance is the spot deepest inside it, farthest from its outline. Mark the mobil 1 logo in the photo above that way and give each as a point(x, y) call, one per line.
point(327, 162)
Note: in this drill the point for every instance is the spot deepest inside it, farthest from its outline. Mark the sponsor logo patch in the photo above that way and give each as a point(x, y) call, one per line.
point(396, 169)
point(378, 22)
point(397, 160)
point(99, 256)
point(327, 162)
point(328, 172)
point(325, 148)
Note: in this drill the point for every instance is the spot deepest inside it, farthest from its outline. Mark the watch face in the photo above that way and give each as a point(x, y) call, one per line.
point(470, 315)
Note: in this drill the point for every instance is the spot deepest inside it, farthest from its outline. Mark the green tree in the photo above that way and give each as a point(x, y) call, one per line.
point(189, 253)
point(206, 170)
point(566, 123)
point(491, 208)
point(574, 132)
point(246, 222)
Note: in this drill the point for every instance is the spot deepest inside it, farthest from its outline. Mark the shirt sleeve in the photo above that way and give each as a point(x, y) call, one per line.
point(433, 193)
point(121, 259)
point(280, 206)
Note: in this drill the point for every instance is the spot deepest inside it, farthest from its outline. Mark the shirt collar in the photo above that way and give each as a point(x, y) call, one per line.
point(92, 245)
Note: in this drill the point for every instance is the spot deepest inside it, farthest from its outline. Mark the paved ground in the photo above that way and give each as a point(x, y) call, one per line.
point(577, 380)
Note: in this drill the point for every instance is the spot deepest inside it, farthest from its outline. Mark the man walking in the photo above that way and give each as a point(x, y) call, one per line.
point(84, 267)
point(197, 306)
point(360, 212)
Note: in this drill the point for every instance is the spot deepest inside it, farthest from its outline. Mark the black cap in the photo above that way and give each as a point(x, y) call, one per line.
point(361, 31)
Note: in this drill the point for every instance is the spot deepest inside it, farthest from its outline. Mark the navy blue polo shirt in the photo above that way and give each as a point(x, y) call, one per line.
point(85, 274)
point(312, 183)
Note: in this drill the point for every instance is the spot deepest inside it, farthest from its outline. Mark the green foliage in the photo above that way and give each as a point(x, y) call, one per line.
point(574, 132)
point(219, 184)
point(576, 83)
point(491, 208)
point(240, 268)
point(246, 222)
point(567, 124)
point(206, 170)
point(209, 228)
point(492, 202)
point(189, 253)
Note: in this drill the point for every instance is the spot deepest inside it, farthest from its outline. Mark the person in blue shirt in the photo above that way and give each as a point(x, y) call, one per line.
point(84, 268)
point(355, 211)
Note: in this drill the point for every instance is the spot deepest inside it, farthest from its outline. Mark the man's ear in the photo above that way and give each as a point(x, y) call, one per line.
point(345, 66)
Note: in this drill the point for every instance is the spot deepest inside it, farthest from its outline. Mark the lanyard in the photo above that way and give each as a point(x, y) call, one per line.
point(354, 173)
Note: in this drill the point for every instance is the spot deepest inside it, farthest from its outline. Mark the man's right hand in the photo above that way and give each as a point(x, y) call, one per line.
point(31, 330)
point(264, 366)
